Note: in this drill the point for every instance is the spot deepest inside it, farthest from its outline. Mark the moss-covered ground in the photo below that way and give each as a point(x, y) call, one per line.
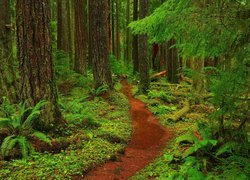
point(97, 130)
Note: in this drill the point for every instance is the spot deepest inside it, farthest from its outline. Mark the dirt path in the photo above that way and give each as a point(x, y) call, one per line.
point(149, 138)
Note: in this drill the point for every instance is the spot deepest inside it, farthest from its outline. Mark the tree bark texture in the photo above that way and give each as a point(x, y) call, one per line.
point(80, 64)
point(99, 39)
point(35, 55)
point(135, 40)
point(118, 41)
point(127, 53)
point(143, 53)
point(172, 62)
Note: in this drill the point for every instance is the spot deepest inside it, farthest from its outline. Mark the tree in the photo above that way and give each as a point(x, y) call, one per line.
point(7, 75)
point(99, 43)
point(127, 51)
point(113, 26)
point(35, 55)
point(143, 53)
point(172, 62)
point(80, 64)
point(118, 41)
point(135, 40)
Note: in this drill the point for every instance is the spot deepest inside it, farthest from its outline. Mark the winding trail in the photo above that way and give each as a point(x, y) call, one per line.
point(149, 139)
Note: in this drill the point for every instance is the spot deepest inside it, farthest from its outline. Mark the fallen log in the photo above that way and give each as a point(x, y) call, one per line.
point(157, 75)
point(177, 115)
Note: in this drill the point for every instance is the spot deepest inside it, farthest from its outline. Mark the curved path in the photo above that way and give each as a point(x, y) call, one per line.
point(149, 139)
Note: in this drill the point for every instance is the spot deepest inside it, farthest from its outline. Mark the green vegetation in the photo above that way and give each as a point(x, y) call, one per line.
point(197, 151)
point(65, 101)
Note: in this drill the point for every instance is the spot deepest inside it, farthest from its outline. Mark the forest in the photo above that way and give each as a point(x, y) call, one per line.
point(124, 89)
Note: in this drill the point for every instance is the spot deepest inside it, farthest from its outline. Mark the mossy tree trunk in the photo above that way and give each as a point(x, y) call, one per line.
point(7, 75)
point(35, 55)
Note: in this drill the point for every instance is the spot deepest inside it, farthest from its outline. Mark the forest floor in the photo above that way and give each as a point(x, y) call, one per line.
point(148, 140)
point(96, 142)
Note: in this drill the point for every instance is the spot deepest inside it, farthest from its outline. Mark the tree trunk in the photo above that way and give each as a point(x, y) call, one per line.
point(113, 26)
point(118, 41)
point(69, 24)
point(35, 55)
point(80, 39)
point(99, 39)
point(59, 25)
point(90, 58)
point(172, 62)
point(7, 75)
point(108, 25)
point(127, 51)
point(135, 40)
point(143, 57)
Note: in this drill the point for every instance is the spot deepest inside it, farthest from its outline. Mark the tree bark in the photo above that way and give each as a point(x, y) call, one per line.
point(127, 51)
point(7, 75)
point(143, 46)
point(69, 24)
point(113, 26)
point(135, 40)
point(80, 64)
point(118, 41)
point(99, 38)
point(172, 62)
point(108, 25)
point(35, 55)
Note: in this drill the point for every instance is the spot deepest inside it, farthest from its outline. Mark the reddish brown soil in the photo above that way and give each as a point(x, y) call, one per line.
point(149, 139)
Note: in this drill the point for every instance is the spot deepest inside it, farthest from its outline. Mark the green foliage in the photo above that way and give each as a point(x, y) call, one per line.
point(120, 67)
point(230, 94)
point(19, 127)
point(166, 97)
point(100, 90)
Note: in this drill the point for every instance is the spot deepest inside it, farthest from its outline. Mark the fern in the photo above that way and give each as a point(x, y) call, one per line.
point(20, 129)
point(41, 136)
point(24, 146)
point(226, 148)
point(7, 145)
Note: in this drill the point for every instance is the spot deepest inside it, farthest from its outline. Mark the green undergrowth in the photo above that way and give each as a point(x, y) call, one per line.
point(195, 152)
point(98, 129)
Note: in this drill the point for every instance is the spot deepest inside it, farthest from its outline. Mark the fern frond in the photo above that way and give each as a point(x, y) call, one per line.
point(5, 122)
point(41, 136)
point(28, 122)
point(189, 137)
point(39, 105)
point(7, 145)
point(24, 146)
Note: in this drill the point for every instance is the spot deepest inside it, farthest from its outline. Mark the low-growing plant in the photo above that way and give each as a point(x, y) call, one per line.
point(19, 129)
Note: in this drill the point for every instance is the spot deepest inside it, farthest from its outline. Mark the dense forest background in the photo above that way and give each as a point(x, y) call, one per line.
point(63, 67)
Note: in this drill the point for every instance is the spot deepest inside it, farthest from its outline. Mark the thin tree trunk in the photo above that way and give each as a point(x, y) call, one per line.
point(127, 52)
point(7, 76)
point(69, 24)
point(118, 41)
point(172, 62)
point(80, 64)
point(108, 25)
point(113, 27)
point(59, 25)
point(135, 40)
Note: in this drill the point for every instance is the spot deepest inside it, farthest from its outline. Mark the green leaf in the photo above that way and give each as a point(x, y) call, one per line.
point(42, 137)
